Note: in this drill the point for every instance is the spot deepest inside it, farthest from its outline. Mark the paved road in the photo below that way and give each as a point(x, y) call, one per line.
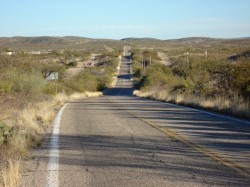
point(121, 140)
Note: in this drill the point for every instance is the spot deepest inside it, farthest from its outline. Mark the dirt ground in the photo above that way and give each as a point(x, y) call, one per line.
point(81, 66)
point(10, 105)
point(164, 58)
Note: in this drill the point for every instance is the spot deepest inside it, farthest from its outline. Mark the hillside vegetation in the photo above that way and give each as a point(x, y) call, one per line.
point(190, 76)
point(209, 81)
point(29, 101)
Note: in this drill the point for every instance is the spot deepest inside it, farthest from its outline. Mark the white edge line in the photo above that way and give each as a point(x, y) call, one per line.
point(53, 164)
point(201, 111)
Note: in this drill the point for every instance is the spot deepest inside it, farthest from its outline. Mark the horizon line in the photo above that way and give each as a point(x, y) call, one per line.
point(132, 37)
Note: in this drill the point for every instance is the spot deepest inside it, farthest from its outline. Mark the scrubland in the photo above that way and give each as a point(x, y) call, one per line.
point(196, 78)
point(190, 77)
point(29, 102)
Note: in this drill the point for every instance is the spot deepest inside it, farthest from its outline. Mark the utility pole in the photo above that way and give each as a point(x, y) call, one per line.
point(187, 57)
point(124, 50)
point(141, 58)
point(206, 54)
point(150, 61)
point(142, 61)
point(188, 60)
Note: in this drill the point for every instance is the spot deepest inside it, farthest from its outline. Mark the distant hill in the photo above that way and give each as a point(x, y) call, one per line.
point(54, 42)
point(76, 39)
point(140, 39)
point(190, 39)
point(76, 43)
point(42, 40)
point(194, 40)
point(185, 40)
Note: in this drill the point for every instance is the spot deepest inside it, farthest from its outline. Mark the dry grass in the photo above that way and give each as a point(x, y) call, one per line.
point(29, 127)
point(62, 98)
point(19, 143)
point(236, 106)
point(93, 94)
point(11, 174)
point(146, 94)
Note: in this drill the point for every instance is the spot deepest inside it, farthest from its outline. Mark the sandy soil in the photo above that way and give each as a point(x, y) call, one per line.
point(10, 106)
point(81, 66)
point(164, 58)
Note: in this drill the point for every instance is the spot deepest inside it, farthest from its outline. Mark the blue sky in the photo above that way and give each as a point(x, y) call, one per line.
point(164, 19)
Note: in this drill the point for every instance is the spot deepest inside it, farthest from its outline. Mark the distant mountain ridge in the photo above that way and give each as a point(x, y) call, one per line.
point(42, 40)
point(131, 38)
point(193, 39)
point(72, 40)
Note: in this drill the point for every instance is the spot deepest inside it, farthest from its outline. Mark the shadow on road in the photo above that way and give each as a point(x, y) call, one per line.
point(226, 136)
point(119, 91)
point(152, 156)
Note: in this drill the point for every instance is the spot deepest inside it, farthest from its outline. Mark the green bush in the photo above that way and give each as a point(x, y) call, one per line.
point(26, 76)
point(28, 83)
point(53, 87)
point(137, 69)
point(6, 86)
point(4, 132)
point(157, 75)
point(104, 81)
point(241, 78)
point(199, 76)
point(19, 80)
point(72, 64)
point(95, 78)
point(84, 81)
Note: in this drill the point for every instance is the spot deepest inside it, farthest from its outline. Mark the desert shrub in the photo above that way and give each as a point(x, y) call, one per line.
point(28, 84)
point(84, 81)
point(110, 66)
point(4, 132)
point(135, 55)
point(7, 61)
point(50, 88)
point(241, 78)
point(198, 81)
point(181, 68)
point(104, 81)
point(72, 64)
point(18, 80)
point(47, 67)
point(53, 87)
point(157, 74)
point(221, 73)
point(95, 78)
point(5, 86)
point(148, 57)
point(137, 69)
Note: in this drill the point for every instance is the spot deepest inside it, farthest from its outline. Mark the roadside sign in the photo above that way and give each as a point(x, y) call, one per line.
point(53, 76)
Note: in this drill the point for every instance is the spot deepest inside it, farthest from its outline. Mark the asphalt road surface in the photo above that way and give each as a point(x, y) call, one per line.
point(121, 140)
